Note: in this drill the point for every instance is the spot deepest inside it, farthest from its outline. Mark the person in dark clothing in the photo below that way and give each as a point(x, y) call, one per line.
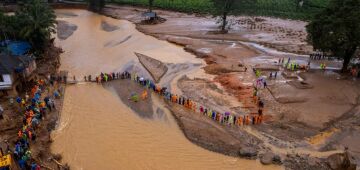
point(261, 104)
point(260, 112)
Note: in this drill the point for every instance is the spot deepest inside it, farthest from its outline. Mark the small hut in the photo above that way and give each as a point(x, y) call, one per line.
point(149, 16)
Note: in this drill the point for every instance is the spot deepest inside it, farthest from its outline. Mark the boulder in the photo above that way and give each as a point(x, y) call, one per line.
point(267, 158)
point(248, 152)
point(270, 158)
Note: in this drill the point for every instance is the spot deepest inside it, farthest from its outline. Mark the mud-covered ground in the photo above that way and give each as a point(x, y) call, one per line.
point(125, 89)
point(308, 117)
point(12, 121)
point(285, 35)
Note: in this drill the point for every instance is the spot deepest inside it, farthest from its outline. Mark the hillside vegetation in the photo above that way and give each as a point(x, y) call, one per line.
point(276, 8)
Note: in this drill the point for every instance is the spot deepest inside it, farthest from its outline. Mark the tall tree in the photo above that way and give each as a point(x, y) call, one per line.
point(9, 27)
point(151, 4)
point(337, 30)
point(36, 22)
point(222, 8)
point(96, 5)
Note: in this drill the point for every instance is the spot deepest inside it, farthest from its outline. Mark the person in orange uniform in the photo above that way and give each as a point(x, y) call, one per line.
point(240, 121)
point(144, 95)
point(247, 120)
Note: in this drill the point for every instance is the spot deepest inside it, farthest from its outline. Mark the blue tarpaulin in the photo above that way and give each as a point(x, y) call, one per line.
point(16, 47)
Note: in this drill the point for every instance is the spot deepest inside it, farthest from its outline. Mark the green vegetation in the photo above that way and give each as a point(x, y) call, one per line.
point(276, 8)
point(337, 29)
point(33, 22)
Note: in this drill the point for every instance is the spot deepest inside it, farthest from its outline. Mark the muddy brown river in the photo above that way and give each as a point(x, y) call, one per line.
point(97, 131)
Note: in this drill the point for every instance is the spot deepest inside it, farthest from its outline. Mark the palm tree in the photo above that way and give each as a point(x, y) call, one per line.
point(37, 22)
point(8, 26)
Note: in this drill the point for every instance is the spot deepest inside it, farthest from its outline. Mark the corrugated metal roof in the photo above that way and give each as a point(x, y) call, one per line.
point(149, 14)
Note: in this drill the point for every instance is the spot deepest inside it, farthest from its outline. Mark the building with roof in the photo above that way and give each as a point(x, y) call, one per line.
point(14, 70)
point(149, 15)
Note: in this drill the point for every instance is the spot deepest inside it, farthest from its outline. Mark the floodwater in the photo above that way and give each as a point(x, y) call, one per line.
point(97, 131)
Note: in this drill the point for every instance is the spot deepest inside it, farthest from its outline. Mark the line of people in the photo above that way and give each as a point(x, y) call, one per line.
point(319, 56)
point(105, 77)
point(225, 118)
point(293, 65)
point(34, 111)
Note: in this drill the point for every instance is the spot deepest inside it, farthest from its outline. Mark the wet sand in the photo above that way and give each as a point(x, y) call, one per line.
point(124, 89)
point(284, 35)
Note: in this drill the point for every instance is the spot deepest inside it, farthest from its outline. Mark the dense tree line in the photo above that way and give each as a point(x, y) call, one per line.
point(337, 30)
point(34, 22)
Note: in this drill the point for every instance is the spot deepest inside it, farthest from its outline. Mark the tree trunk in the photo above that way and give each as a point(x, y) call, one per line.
point(150, 5)
point(348, 55)
point(345, 64)
point(224, 17)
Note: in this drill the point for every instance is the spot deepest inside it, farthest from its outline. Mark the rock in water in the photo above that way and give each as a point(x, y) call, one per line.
point(156, 68)
point(248, 152)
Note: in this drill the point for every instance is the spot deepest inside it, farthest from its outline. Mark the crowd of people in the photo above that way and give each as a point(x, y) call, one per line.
point(34, 106)
point(293, 65)
point(322, 56)
point(225, 118)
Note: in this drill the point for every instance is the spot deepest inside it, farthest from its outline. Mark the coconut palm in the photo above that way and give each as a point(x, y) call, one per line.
point(37, 22)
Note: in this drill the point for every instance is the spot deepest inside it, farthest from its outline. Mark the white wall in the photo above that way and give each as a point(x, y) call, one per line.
point(7, 80)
